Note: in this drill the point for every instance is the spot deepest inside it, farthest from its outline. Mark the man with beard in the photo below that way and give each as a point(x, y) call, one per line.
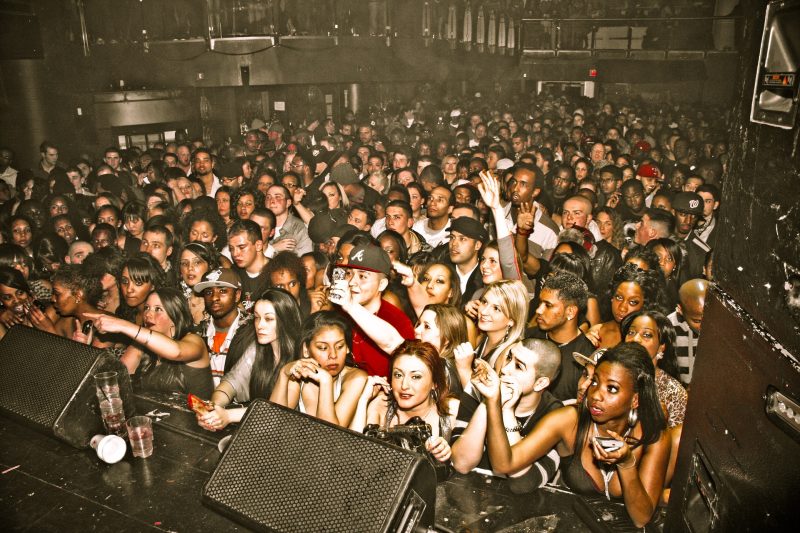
point(523, 188)
point(203, 166)
point(222, 291)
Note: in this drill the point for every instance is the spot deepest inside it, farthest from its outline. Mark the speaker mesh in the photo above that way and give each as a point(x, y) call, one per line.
point(288, 472)
point(36, 391)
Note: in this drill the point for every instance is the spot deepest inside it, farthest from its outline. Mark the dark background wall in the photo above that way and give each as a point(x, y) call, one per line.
point(758, 253)
point(45, 77)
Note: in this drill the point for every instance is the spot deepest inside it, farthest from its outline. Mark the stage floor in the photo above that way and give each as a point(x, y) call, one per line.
point(47, 485)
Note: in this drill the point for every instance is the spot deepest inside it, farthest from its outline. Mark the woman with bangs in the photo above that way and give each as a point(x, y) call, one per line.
point(195, 259)
point(417, 393)
point(319, 383)
point(164, 351)
point(133, 217)
point(140, 275)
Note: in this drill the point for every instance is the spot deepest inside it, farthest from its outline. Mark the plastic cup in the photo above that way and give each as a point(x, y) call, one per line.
point(140, 435)
point(109, 448)
point(107, 385)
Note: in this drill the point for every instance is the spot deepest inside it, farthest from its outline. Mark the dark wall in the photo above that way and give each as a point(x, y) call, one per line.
point(758, 254)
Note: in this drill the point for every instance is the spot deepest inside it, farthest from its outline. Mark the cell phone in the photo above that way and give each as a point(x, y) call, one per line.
point(198, 405)
point(609, 444)
point(86, 328)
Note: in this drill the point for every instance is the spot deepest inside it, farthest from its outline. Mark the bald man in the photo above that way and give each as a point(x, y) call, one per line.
point(688, 320)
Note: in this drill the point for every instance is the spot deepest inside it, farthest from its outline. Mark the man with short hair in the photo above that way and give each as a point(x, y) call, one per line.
point(610, 183)
point(707, 231)
point(524, 187)
point(687, 319)
point(562, 307)
point(633, 205)
point(361, 216)
point(203, 167)
point(184, 154)
point(399, 218)
point(467, 237)
point(360, 297)
point(78, 251)
point(157, 241)
point(48, 161)
point(524, 374)
point(287, 226)
point(247, 252)
point(221, 290)
point(655, 224)
point(434, 227)
point(112, 158)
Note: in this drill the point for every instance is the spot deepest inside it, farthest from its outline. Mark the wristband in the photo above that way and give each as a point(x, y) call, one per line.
point(524, 233)
point(624, 466)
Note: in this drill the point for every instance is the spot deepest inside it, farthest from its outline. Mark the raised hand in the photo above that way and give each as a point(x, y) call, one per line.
point(510, 393)
point(526, 216)
point(471, 308)
point(284, 245)
point(485, 380)
point(405, 272)
point(490, 190)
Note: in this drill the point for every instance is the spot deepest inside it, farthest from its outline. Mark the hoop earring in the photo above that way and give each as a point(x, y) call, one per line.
point(633, 417)
point(435, 395)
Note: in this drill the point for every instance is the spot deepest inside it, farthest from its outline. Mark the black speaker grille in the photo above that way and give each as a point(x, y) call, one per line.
point(287, 472)
point(36, 391)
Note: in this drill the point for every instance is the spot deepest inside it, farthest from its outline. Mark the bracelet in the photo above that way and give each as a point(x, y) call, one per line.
point(226, 394)
point(149, 334)
point(136, 337)
point(623, 466)
point(514, 429)
point(524, 233)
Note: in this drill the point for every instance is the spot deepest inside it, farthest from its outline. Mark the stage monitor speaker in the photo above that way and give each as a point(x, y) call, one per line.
point(738, 463)
point(775, 96)
point(288, 472)
point(47, 383)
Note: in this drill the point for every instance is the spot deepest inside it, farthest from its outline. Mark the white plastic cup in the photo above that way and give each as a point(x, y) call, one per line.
point(110, 448)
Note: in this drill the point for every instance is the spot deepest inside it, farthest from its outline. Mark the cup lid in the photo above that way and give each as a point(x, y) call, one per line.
point(112, 449)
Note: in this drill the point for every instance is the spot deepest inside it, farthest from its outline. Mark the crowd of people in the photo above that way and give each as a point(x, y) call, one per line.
point(527, 278)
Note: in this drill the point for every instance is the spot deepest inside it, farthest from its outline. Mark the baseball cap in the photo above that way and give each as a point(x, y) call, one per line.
point(369, 257)
point(591, 360)
point(470, 227)
point(688, 202)
point(648, 171)
point(221, 277)
point(323, 226)
point(344, 174)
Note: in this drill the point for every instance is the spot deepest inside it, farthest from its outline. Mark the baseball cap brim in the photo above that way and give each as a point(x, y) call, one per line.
point(203, 285)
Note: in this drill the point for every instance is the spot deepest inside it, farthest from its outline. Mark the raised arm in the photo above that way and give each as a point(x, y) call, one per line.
point(380, 331)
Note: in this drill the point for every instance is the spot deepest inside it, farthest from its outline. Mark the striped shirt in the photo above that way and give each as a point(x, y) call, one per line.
point(685, 346)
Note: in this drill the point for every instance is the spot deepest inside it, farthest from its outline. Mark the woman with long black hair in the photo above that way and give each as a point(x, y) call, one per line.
point(255, 358)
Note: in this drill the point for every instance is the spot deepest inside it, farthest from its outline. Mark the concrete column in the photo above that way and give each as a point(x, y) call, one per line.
point(27, 120)
point(353, 100)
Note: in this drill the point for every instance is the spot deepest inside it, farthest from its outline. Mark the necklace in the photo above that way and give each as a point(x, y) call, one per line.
point(607, 474)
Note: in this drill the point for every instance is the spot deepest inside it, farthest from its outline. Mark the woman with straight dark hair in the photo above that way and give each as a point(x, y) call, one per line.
point(140, 275)
point(614, 442)
point(168, 356)
point(319, 382)
point(255, 358)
